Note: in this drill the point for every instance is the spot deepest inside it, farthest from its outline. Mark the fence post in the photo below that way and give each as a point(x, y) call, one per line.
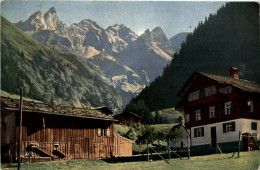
point(169, 150)
point(20, 129)
point(188, 146)
point(147, 151)
point(239, 144)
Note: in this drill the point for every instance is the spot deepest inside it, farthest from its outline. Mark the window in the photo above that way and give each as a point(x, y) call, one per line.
point(197, 115)
point(250, 106)
point(198, 132)
point(108, 132)
point(228, 89)
point(212, 112)
point(193, 96)
point(103, 132)
point(229, 127)
point(99, 131)
point(187, 117)
point(254, 125)
point(228, 108)
point(210, 91)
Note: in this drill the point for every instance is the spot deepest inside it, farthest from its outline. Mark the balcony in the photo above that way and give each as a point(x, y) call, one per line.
point(215, 98)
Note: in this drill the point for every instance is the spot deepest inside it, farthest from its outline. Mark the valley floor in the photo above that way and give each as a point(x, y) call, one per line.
point(247, 160)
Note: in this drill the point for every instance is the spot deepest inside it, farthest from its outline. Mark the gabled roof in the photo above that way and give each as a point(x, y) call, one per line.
point(128, 113)
point(104, 109)
point(37, 107)
point(245, 85)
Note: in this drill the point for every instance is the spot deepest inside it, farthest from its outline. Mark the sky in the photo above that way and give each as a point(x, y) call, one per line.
point(172, 16)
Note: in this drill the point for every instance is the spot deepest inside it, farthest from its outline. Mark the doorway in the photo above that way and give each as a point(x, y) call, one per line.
point(213, 136)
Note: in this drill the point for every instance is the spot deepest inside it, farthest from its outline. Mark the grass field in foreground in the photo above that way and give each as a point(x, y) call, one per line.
point(247, 160)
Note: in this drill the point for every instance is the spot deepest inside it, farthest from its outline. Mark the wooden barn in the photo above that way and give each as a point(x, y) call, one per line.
point(128, 117)
point(51, 132)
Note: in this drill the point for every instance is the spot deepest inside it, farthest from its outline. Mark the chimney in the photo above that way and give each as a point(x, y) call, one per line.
point(234, 73)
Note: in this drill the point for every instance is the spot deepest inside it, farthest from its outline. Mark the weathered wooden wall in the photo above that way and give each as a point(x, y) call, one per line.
point(77, 138)
point(123, 146)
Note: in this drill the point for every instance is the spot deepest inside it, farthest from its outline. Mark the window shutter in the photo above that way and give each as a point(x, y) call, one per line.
point(194, 116)
point(201, 94)
point(254, 106)
point(208, 113)
point(201, 115)
point(195, 133)
point(202, 131)
point(99, 131)
point(216, 111)
point(214, 90)
point(224, 127)
point(108, 132)
point(233, 126)
point(223, 109)
point(232, 107)
point(254, 125)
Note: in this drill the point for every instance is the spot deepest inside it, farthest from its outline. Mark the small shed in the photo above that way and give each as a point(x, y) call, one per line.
point(123, 146)
point(128, 117)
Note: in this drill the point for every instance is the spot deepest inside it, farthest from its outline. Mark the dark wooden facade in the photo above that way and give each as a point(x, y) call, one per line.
point(239, 97)
point(55, 132)
point(128, 117)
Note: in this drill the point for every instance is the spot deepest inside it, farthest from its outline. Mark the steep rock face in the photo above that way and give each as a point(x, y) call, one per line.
point(178, 39)
point(34, 23)
point(48, 21)
point(160, 39)
point(145, 56)
point(124, 79)
point(119, 36)
point(49, 76)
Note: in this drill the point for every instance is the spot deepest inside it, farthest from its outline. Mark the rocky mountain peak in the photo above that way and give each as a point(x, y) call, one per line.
point(157, 30)
point(51, 10)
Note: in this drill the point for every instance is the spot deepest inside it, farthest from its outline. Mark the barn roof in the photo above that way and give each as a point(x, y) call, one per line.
point(31, 106)
point(245, 85)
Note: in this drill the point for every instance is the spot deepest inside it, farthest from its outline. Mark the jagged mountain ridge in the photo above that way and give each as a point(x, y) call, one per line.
point(87, 39)
point(49, 76)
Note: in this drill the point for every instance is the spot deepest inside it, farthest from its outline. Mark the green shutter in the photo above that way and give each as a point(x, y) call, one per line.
point(195, 132)
point(194, 116)
point(202, 130)
point(208, 113)
point(216, 111)
point(214, 90)
point(201, 94)
point(201, 115)
point(224, 127)
point(254, 125)
point(223, 109)
point(232, 107)
point(233, 126)
point(254, 106)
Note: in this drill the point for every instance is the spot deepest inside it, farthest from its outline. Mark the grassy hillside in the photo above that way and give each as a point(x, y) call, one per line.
point(247, 161)
point(49, 76)
point(169, 115)
point(228, 38)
